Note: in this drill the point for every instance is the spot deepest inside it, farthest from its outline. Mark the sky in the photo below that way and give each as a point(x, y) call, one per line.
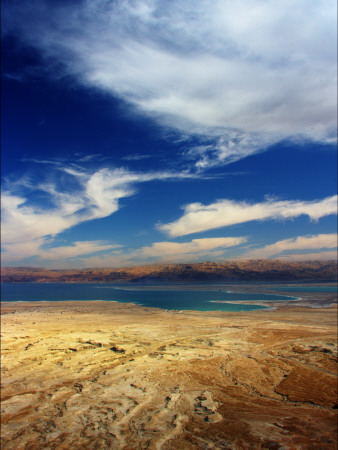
point(148, 131)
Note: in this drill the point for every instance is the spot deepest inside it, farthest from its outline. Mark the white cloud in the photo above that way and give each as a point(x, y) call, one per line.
point(275, 250)
point(136, 157)
point(245, 73)
point(60, 256)
point(197, 248)
point(22, 223)
point(79, 248)
point(324, 256)
point(198, 217)
point(165, 252)
point(26, 227)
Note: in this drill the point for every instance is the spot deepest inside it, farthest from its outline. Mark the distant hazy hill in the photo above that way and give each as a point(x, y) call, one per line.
point(253, 270)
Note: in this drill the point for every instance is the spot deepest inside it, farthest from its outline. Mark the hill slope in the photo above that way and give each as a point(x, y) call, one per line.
point(253, 270)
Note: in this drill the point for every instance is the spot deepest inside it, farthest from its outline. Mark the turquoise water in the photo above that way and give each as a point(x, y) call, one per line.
point(171, 298)
point(319, 289)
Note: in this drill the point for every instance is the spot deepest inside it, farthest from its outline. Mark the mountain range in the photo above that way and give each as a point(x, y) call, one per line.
point(230, 271)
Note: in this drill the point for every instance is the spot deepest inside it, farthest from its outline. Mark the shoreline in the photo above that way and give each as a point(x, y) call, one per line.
point(307, 299)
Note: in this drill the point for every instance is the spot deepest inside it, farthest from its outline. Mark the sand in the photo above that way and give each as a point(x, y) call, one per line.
point(104, 375)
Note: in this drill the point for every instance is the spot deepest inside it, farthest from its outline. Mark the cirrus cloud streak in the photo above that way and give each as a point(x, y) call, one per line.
point(320, 241)
point(164, 252)
point(190, 251)
point(240, 75)
point(27, 227)
point(198, 217)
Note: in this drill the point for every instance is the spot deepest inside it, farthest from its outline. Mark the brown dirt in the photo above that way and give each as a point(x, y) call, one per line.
point(98, 375)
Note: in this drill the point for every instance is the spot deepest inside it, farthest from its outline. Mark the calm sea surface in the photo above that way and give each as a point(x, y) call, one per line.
point(170, 297)
point(319, 289)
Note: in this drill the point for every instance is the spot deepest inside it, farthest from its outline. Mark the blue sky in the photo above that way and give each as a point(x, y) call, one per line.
point(138, 132)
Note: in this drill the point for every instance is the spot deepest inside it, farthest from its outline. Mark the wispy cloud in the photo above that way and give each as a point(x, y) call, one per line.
point(136, 157)
point(324, 256)
point(276, 250)
point(27, 225)
point(75, 160)
point(42, 161)
point(189, 251)
point(158, 252)
point(198, 217)
point(242, 75)
point(80, 248)
point(56, 256)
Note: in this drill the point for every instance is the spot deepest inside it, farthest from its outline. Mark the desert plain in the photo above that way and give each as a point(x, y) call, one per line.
point(105, 375)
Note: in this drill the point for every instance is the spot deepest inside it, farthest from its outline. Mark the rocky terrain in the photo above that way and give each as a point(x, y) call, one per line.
point(254, 270)
point(104, 375)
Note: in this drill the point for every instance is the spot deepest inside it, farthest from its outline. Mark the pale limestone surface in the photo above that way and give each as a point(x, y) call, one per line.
point(105, 375)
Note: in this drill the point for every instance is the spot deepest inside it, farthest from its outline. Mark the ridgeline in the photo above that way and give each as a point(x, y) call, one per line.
point(207, 272)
